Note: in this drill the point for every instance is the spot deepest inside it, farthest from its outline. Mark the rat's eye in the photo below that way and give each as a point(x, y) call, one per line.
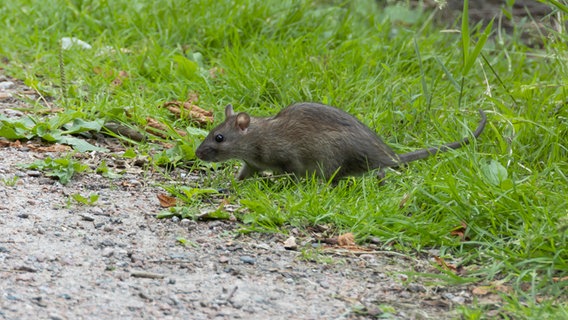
point(219, 138)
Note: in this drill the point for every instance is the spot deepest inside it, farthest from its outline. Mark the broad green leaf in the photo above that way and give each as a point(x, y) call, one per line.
point(129, 154)
point(46, 134)
point(191, 193)
point(192, 131)
point(14, 131)
point(495, 172)
point(185, 67)
point(80, 125)
point(80, 145)
point(16, 128)
point(165, 214)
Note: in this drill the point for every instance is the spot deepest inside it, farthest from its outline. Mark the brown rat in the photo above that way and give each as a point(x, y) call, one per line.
point(307, 138)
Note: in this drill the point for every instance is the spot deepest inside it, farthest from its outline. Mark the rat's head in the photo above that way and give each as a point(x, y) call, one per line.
point(225, 141)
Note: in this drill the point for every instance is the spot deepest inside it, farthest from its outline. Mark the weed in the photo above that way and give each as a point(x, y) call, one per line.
point(10, 182)
point(60, 168)
point(87, 201)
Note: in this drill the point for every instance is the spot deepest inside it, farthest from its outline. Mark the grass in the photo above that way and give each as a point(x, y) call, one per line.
point(402, 76)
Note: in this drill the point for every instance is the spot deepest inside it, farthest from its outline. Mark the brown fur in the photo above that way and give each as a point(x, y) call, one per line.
point(307, 138)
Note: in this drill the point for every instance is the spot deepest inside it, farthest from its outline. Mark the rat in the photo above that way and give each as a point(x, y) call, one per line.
point(308, 138)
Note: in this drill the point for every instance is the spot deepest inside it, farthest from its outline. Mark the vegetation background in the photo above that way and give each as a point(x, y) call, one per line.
point(496, 209)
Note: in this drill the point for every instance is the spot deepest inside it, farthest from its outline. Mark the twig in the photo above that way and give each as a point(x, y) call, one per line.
point(144, 274)
point(230, 296)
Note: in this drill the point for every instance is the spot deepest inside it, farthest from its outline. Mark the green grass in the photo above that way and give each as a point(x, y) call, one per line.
point(401, 76)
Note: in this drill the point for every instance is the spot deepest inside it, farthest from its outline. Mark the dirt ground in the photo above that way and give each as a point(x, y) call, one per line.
point(114, 259)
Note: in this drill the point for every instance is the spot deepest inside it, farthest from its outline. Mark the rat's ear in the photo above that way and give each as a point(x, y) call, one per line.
point(242, 122)
point(229, 110)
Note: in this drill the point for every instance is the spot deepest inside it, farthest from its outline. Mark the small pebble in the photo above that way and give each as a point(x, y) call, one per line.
point(26, 268)
point(65, 296)
point(20, 174)
point(375, 240)
point(324, 284)
point(415, 287)
point(13, 297)
point(134, 182)
point(13, 113)
point(107, 252)
point(247, 259)
point(97, 211)
point(39, 301)
point(55, 316)
point(6, 85)
point(186, 222)
point(290, 244)
point(453, 298)
point(34, 173)
point(86, 217)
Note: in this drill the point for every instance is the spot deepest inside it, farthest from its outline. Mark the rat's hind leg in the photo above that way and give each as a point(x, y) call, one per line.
point(381, 176)
point(246, 171)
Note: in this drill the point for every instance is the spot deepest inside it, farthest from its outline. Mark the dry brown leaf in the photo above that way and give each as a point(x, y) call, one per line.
point(8, 143)
point(404, 200)
point(154, 124)
point(50, 148)
point(223, 203)
point(493, 287)
point(122, 75)
point(481, 291)
point(215, 71)
point(347, 239)
point(166, 145)
point(97, 70)
point(156, 128)
point(166, 201)
point(190, 111)
point(460, 232)
point(108, 73)
point(501, 287)
point(491, 299)
point(190, 106)
point(117, 82)
point(444, 265)
point(5, 95)
point(557, 279)
point(193, 97)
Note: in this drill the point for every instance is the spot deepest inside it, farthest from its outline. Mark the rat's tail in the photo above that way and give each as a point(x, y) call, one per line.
point(425, 153)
